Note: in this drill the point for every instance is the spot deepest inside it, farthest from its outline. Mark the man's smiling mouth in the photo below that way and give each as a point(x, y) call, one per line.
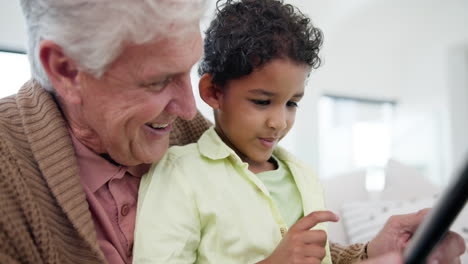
point(157, 126)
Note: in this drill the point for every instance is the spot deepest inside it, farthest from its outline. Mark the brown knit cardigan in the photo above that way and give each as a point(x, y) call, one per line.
point(44, 216)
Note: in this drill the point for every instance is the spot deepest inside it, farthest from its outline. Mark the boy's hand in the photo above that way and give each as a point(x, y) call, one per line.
point(302, 245)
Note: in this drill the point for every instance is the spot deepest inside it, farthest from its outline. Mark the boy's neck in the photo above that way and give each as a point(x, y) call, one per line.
point(270, 165)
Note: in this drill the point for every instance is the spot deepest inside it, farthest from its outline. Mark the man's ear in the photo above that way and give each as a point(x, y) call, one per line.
point(209, 91)
point(61, 70)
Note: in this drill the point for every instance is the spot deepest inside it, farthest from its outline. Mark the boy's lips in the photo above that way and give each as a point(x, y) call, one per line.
point(268, 142)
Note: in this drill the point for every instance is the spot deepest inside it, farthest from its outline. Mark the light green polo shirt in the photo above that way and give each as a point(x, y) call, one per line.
point(201, 204)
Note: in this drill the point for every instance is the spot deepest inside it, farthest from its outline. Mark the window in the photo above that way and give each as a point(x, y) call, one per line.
point(15, 72)
point(355, 133)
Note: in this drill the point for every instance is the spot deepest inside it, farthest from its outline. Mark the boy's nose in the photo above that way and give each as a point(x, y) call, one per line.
point(277, 120)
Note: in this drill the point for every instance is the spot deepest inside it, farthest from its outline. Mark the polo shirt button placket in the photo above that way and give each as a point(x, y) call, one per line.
point(124, 210)
point(283, 231)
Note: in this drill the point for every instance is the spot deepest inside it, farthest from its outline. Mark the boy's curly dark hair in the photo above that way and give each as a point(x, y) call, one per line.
point(246, 34)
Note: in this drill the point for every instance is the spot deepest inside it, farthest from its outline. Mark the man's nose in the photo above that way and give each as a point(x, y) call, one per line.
point(183, 103)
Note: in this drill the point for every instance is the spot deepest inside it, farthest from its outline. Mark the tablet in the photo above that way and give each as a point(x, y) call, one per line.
point(439, 219)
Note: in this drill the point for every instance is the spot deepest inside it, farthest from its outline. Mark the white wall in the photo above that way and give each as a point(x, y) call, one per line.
point(12, 26)
point(458, 106)
point(395, 50)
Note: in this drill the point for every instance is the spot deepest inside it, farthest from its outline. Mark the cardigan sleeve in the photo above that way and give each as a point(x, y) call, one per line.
point(348, 254)
point(185, 132)
point(17, 211)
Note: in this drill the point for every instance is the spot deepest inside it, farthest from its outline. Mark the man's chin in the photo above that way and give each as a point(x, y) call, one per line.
point(155, 156)
point(153, 159)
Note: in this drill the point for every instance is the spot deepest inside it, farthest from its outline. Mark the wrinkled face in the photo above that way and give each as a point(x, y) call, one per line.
point(131, 107)
point(258, 110)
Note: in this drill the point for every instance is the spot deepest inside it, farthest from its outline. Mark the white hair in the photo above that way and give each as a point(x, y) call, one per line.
point(93, 32)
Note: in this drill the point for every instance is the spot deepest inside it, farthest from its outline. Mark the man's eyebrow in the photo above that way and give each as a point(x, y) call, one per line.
point(156, 78)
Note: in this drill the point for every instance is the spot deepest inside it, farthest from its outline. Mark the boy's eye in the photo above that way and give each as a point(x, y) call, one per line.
point(292, 104)
point(260, 102)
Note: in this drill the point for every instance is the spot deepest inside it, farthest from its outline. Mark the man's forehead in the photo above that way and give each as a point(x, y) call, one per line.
point(179, 36)
point(171, 55)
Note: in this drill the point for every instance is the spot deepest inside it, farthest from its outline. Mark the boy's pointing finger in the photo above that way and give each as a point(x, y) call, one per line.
point(314, 218)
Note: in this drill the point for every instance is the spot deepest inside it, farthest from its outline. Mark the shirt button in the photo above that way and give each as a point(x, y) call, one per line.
point(124, 210)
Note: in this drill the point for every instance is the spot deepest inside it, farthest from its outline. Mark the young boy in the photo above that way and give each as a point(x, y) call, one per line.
point(232, 196)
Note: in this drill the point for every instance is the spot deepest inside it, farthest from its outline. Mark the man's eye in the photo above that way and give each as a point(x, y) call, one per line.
point(292, 104)
point(260, 102)
point(160, 84)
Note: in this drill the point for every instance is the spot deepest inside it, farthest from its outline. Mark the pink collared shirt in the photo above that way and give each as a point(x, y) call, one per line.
point(112, 194)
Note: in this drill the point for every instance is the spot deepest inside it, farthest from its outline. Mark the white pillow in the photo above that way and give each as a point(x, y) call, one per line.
point(401, 180)
point(337, 190)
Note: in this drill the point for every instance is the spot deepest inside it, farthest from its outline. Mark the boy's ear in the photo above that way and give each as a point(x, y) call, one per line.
point(209, 91)
point(61, 70)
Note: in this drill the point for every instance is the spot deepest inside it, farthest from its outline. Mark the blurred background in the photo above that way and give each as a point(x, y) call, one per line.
point(384, 119)
point(393, 87)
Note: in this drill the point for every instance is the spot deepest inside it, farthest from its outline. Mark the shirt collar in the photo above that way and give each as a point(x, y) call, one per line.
point(212, 146)
point(95, 170)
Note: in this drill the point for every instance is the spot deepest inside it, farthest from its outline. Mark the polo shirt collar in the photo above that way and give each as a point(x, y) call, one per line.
point(213, 147)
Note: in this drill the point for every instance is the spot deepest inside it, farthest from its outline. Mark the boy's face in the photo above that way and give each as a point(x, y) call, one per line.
point(256, 111)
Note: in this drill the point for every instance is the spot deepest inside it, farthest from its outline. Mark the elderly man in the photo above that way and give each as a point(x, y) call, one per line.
point(110, 92)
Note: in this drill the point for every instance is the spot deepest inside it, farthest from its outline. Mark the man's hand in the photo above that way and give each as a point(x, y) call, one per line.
point(399, 229)
point(391, 258)
point(302, 245)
